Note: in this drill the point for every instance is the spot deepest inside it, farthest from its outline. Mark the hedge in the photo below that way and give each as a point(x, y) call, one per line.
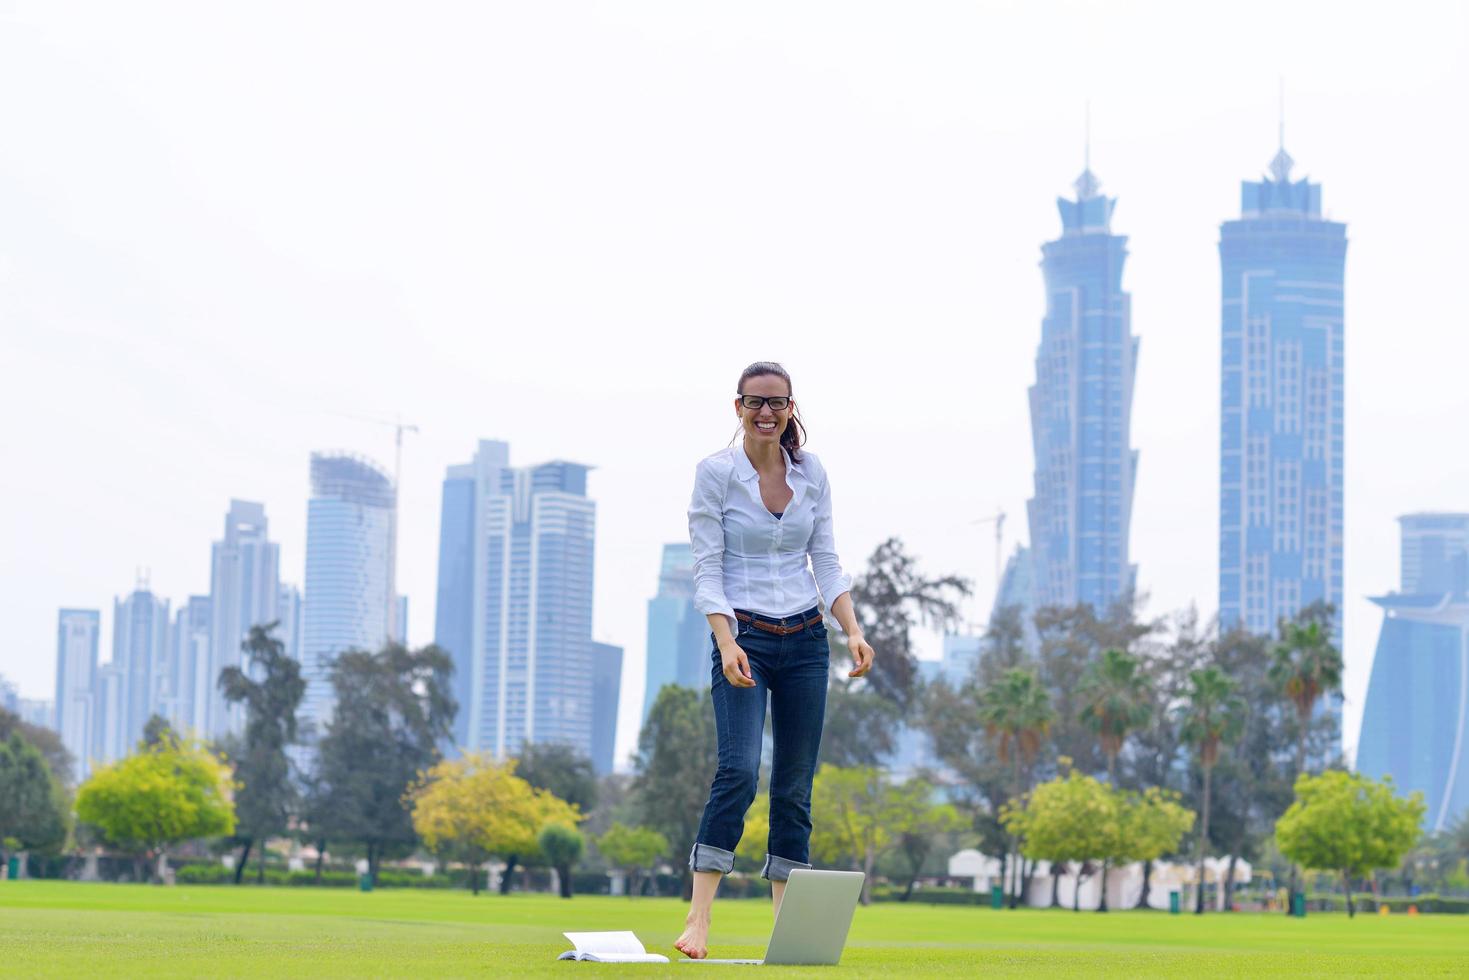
point(1428, 902)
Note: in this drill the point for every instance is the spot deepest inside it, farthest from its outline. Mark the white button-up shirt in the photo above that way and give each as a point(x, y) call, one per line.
point(747, 558)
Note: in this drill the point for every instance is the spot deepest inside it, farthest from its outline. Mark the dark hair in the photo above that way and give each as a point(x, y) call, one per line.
point(794, 436)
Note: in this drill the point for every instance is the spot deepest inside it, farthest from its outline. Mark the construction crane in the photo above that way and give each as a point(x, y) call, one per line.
point(399, 427)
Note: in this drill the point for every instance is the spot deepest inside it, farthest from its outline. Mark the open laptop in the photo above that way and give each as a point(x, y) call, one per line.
point(815, 915)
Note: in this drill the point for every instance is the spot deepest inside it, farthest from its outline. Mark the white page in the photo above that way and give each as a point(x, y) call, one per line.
point(606, 943)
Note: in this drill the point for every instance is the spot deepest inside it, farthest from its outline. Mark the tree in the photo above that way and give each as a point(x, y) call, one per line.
point(1071, 639)
point(1115, 702)
point(33, 805)
point(1306, 668)
point(562, 846)
point(1016, 712)
point(46, 742)
point(860, 727)
point(892, 597)
point(1349, 823)
point(474, 808)
point(920, 824)
point(172, 791)
point(1004, 645)
point(562, 771)
point(1153, 822)
point(1213, 716)
point(1069, 819)
point(157, 730)
point(854, 818)
point(393, 710)
point(267, 796)
point(676, 761)
point(632, 850)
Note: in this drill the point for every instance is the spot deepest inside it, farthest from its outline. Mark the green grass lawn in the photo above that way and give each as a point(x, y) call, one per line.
point(101, 930)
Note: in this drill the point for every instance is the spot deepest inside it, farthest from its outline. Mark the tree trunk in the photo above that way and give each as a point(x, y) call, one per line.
point(374, 854)
point(564, 873)
point(1229, 883)
point(320, 857)
point(1056, 884)
point(1076, 894)
point(1004, 868)
point(912, 879)
point(1290, 892)
point(1147, 884)
point(510, 863)
point(1103, 906)
point(869, 859)
point(1112, 769)
point(1346, 881)
point(474, 879)
point(244, 856)
point(260, 864)
point(1027, 871)
point(1203, 841)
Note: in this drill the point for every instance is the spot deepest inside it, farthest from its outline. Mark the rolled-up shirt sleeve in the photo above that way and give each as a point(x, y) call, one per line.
point(831, 581)
point(706, 536)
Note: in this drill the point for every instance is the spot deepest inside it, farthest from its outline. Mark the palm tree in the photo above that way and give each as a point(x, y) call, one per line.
point(1116, 701)
point(1213, 716)
point(1306, 668)
point(1016, 711)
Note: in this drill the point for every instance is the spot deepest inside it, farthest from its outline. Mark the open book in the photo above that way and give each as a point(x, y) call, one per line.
point(608, 947)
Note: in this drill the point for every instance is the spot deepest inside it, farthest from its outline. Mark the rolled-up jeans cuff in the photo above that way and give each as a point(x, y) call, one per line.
point(778, 868)
point(707, 858)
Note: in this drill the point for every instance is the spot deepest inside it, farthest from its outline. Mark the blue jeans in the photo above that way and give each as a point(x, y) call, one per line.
point(790, 672)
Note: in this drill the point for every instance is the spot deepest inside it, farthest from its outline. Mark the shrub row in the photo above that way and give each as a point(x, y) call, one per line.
point(933, 895)
point(1427, 903)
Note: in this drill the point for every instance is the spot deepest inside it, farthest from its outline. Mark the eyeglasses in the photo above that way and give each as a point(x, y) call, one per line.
point(777, 403)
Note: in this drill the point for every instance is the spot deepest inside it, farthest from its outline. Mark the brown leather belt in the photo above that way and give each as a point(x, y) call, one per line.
point(777, 628)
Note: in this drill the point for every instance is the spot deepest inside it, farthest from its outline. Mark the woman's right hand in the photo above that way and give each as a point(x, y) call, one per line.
point(736, 665)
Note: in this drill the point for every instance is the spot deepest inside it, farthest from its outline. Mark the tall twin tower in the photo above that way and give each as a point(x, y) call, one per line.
point(1280, 450)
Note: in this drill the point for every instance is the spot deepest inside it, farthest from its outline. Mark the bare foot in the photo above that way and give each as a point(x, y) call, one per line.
point(694, 943)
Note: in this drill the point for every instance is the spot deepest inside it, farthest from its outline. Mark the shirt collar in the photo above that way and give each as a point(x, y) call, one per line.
point(745, 470)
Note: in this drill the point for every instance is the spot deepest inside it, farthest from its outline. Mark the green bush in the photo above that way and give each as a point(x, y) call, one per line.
point(932, 896)
point(1427, 903)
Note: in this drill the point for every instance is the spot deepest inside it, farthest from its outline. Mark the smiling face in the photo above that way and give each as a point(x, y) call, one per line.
point(765, 424)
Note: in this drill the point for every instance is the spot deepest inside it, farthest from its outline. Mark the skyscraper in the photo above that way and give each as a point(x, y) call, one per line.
point(679, 648)
point(243, 585)
point(191, 682)
point(1081, 411)
point(288, 613)
point(348, 601)
point(140, 656)
point(78, 633)
point(1280, 460)
point(1415, 723)
point(606, 692)
point(514, 605)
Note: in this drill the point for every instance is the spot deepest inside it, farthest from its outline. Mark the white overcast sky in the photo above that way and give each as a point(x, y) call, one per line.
point(569, 225)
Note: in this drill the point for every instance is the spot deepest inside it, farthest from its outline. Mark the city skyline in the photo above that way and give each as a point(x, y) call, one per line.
point(591, 288)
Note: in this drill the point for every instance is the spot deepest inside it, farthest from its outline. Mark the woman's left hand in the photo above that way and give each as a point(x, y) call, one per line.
point(862, 654)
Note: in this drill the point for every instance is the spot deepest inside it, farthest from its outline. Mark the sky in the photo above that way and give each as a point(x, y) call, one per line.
point(230, 232)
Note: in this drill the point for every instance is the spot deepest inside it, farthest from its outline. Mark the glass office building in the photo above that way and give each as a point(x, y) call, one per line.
point(244, 586)
point(679, 649)
point(1280, 498)
point(606, 693)
point(78, 633)
point(1415, 724)
point(140, 634)
point(348, 596)
point(1280, 460)
point(514, 603)
point(1081, 409)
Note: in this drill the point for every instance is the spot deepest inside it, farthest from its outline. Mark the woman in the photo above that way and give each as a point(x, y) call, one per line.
point(760, 523)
